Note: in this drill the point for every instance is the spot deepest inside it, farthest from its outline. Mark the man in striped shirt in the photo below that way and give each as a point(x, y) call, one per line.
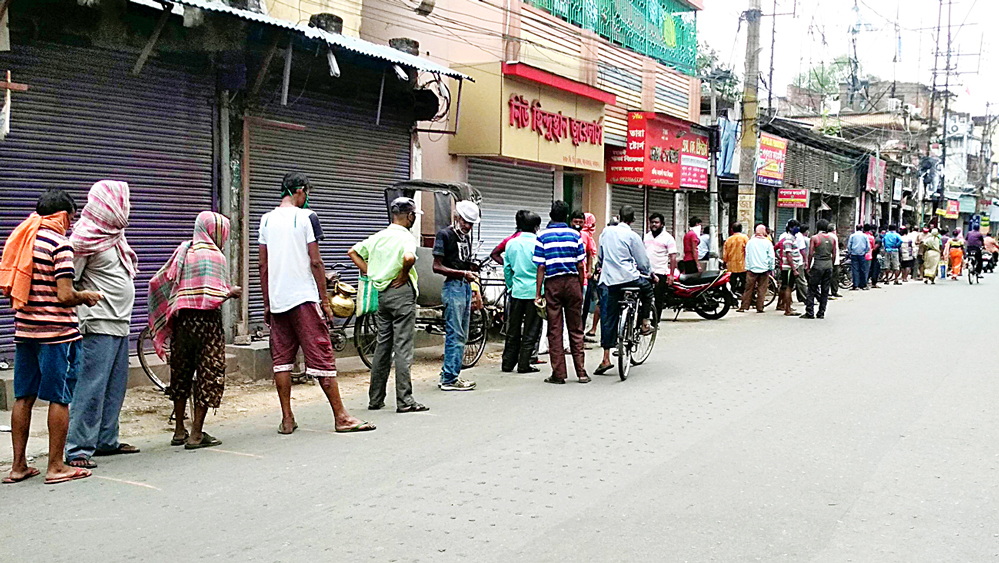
point(46, 334)
point(560, 257)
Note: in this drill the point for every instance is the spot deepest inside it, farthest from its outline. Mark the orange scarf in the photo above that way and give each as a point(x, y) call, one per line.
point(17, 265)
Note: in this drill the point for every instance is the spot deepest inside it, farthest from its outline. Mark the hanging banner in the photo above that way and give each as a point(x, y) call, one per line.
point(770, 160)
point(792, 197)
point(876, 175)
point(662, 152)
point(896, 193)
point(953, 209)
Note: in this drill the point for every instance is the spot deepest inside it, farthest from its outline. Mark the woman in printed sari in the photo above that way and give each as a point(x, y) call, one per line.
point(930, 246)
point(185, 297)
point(954, 251)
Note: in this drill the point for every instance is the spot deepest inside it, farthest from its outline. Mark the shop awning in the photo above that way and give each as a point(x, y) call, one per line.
point(336, 40)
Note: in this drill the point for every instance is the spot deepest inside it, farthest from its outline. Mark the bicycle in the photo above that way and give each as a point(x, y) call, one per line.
point(971, 265)
point(633, 348)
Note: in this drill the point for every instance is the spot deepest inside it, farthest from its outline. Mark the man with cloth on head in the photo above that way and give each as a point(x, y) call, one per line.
point(105, 263)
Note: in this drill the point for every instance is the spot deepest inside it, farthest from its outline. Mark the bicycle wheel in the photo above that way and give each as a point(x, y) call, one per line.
point(643, 348)
point(970, 266)
point(772, 292)
point(475, 345)
point(624, 328)
point(365, 338)
point(148, 358)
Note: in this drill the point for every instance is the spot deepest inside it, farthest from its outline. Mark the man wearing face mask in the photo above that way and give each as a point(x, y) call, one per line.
point(691, 241)
point(388, 258)
point(453, 260)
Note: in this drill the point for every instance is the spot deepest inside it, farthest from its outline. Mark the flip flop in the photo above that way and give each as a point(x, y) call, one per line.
point(32, 472)
point(78, 474)
point(207, 441)
point(415, 407)
point(122, 449)
point(87, 463)
point(603, 369)
point(282, 432)
point(360, 427)
point(180, 441)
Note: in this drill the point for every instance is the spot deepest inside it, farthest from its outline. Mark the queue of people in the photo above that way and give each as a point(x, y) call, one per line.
point(73, 297)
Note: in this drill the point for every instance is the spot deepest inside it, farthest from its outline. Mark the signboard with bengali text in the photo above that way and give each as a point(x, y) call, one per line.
point(662, 152)
point(792, 197)
point(770, 161)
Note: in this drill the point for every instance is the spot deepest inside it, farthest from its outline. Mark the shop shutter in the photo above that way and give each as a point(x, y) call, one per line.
point(507, 188)
point(699, 205)
point(349, 161)
point(784, 214)
point(663, 201)
point(85, 119)
point(633, 196)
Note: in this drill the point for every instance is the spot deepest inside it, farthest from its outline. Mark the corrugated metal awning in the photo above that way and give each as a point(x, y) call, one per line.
point(353, 44)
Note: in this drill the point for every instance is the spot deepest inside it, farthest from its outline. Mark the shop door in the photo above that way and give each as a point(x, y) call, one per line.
point(663, 201)
point(349, 161)
point(86, 119)
point(507, 188)
point(633, 196)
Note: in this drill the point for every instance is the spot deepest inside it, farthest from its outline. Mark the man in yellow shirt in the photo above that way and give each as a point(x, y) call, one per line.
point(734, 256)
point(387, 258)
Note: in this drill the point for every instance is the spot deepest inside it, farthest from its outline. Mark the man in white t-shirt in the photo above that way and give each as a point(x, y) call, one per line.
point(292, 279)
point(663, 255)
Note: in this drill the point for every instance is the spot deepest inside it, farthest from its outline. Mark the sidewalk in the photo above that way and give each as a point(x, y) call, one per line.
point(147, 412)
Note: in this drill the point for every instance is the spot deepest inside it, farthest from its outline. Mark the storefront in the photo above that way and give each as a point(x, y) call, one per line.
point(87, 118)
point(531, 137)
point(665, 157)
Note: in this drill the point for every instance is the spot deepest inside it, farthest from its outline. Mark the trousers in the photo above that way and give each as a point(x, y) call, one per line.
point(819, 280)
point(564, 300)
point(99, 394)
point(755, 283)
point(396, 319)
point(522, 333)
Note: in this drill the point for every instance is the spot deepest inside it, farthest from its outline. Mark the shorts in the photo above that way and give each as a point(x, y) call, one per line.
point(788, 278)
point(302, 327)
point(892, 261)
point(46, 371)
point(908, 264)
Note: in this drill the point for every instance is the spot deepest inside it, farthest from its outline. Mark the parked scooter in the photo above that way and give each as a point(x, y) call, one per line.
point(706, 294)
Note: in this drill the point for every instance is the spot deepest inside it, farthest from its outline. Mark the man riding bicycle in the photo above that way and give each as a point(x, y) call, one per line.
point(975, 242)
point(625, 263)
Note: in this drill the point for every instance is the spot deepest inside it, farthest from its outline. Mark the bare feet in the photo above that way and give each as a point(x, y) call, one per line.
point(288, 426)
point(61, 473)
point(18, 475)
point(347, 422)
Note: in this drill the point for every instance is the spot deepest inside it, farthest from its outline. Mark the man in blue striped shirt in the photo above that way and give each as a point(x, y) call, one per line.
point(560, 257)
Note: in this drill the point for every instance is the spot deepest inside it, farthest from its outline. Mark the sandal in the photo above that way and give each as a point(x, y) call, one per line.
point(78, 474)
point(603, 368)
point(415, 407)
point(175, 441)
point(584, 379)
point(122, 449)
point(359, 427)
point(294, 427)
point(83, 462)
point(555, 381)
point(32, 472)
point(207, 441)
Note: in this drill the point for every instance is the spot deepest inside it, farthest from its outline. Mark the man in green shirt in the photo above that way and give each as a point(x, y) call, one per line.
point(387, 259)
point(521, 272)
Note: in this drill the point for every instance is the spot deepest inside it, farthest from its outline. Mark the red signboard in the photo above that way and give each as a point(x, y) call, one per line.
point(662, 152)
point(876, 175)
point(792, 197)
point(770, 160)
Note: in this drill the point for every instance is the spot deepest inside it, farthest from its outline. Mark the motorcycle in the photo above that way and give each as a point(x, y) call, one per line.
point(706, 294)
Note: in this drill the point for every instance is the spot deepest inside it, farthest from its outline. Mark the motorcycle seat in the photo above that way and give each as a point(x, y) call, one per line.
point(699, 279)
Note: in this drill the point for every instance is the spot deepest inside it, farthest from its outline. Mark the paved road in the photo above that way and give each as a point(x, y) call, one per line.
point(869, 436)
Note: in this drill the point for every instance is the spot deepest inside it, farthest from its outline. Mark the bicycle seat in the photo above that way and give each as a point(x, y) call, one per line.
point(629, 288)
point(701, 278)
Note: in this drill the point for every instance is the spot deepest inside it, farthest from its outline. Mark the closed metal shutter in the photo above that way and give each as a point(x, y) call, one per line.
point(507, 188)
point(85, 119)
point(663, 201)
point(633, 196)
point(784, 214)
point(349, 161)
point(699, 205)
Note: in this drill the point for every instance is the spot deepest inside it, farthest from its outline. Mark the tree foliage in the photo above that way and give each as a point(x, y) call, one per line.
point(708, 62)
point(826, 77)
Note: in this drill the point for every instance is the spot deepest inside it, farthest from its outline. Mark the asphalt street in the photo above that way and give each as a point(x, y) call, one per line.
point(869, 436)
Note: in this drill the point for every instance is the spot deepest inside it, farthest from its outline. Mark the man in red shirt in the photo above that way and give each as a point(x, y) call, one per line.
point(689, 264)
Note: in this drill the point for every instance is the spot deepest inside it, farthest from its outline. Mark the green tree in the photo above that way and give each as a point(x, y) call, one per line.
point(826, 78)
point(708, 63)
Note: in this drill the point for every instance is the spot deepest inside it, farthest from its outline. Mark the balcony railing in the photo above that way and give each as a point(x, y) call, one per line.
point(665, 30)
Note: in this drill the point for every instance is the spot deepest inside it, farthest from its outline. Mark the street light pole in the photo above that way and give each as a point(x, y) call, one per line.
point(713, 182)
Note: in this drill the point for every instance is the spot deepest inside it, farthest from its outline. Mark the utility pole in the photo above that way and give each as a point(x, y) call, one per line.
point(933, 92)
point(713, 185)
point(750, 110)
point(943, 157)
